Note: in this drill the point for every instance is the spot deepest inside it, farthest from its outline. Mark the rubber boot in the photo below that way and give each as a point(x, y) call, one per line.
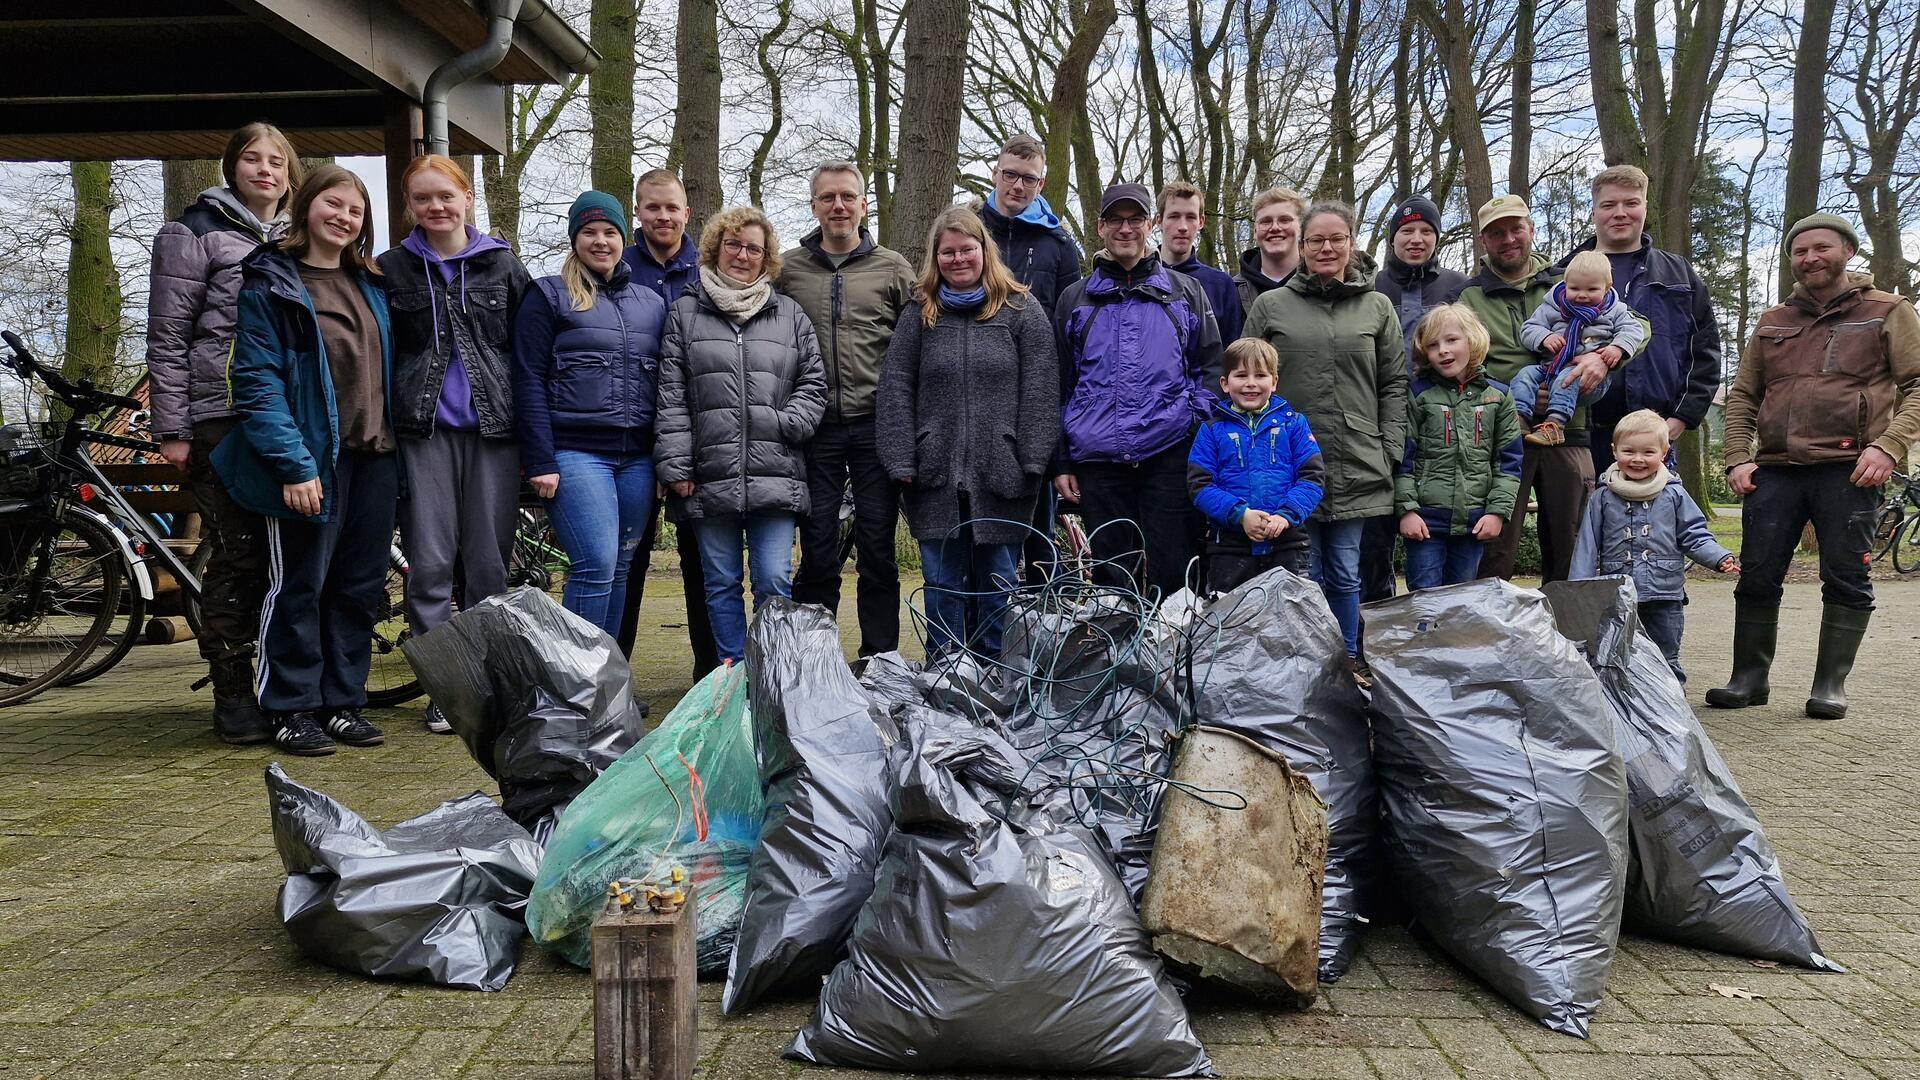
point(1841, 629)
point(1755, 630)
point(237, 718)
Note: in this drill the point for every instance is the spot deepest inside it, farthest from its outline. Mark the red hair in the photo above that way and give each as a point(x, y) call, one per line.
point(439, 163)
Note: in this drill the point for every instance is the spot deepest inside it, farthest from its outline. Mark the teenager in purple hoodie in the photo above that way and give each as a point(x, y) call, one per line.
point(453, 292)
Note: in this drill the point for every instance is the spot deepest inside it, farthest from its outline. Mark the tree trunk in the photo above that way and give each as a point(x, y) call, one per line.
point(610, 98)
point(1069, 100)
point(1337, 181)
point(1520, 164)
point(1620, 137)
point(1452, 38)
point(183, 181)
point(1809, 141)
point(776, 101)
point(696, 126)
point(929, 120)
point(1156, 102)
point(1403, 111)
point(880, 56)
point(93, 282)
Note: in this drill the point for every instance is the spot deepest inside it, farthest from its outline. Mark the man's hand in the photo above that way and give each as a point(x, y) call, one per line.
point(1067, 486)
point(1676, 427)
point(1740, 478)
point(545, 484)
point(1488, 527)
point(302, 498)
point(1553, 344)
point(1253, 523)
point(175, 451)
point(1590, 368)
point(1413, 526)
point(683, 488)
point(1873, 468)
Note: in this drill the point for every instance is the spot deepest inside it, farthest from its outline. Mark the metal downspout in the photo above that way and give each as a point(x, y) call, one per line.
point(467, 66)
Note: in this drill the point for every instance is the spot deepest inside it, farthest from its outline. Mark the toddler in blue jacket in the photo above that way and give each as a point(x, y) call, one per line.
point(1255, 471)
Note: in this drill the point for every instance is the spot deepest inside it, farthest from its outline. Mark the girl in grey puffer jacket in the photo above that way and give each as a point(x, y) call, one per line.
point(742, 386)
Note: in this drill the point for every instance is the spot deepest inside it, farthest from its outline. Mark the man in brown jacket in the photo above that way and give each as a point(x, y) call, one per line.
point(1826, 403)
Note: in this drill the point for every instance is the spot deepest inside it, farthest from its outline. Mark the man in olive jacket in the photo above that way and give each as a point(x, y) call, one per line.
point(854, 290)
point(1512, 282)
point(1826, 404)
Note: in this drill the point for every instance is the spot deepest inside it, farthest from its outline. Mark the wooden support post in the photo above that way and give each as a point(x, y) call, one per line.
point(405, 140)
point(645, 999)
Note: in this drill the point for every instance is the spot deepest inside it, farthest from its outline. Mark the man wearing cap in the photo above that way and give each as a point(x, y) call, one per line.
point(1512, 281)
point(1680, 369)
point(1826, 404)
point(1415, 281)
point(1138, 346)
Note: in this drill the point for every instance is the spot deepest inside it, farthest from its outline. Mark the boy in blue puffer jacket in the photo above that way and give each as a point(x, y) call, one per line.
point(1255, 471)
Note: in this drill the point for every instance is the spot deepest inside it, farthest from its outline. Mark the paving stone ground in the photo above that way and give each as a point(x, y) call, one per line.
point(137, 936)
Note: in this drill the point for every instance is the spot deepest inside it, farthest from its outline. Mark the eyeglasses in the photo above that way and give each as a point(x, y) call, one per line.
point(1124, 222)
point(1327, 241)
point(1015, 176)
point(735, 247)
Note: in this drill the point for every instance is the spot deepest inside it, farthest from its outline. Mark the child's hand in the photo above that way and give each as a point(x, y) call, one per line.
point(1553, 344)
point(1275, 526)
point(1488, 527)
point(1413, 526)
point(1729, 564)
point(1254, 524)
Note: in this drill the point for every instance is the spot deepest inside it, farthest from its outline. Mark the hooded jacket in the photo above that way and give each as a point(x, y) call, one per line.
point(1136, 349)
point(1679, 371)
point(458, 329)
point(1649, 540)
point(1039, 252)
point(1251, 283)
point(1415, 290)
point(668, 280)
point(586, 380)
point(283, 388)
point(1463, 454)
point(1820, 384)
point(738, 403)
point(1269, 462)
point(193, 308)
point(1340, 365)
point(1222, 293)
point(854, 307)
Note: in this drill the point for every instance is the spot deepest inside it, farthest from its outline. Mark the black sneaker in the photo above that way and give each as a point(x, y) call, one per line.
point(437, 721)
point(348, 726)
point(298, 733)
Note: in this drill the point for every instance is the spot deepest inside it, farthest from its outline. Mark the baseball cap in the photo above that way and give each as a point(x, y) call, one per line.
point(1500, 206)
point(1133, 193)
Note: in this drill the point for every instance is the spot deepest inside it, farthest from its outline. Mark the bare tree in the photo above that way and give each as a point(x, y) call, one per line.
point(93, 281)
point(1809, 141)
point(696, 129)
point(610, 97)
point(929, 119)
point(532, 113)
point(1883, 165)
point(1091, 21)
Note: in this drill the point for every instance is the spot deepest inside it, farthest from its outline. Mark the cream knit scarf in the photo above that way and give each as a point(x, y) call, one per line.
point(738, 302)
point(1636, 490)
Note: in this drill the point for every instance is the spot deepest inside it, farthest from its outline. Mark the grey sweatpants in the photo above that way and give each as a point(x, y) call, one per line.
point(460, 510)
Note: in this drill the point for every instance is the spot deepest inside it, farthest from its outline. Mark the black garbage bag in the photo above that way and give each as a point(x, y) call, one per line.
point(542, 698)
point(1269, 663)
point(1505, 795)
point(822, 745)
point(994, 940)
point(1701, 871)
point(438, 899)
point(892, 679)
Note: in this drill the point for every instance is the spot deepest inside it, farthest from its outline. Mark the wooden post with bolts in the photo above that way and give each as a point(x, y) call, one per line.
point(645, 998)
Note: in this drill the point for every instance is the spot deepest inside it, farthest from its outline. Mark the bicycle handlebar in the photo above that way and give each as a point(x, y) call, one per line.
point(81, 397)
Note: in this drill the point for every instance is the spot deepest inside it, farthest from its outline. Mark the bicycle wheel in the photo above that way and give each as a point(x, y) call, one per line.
point(1906, 547)
point(60, 584)
point(1886, 530)
point(190, 598)
point(129, 618)
point(390, 678)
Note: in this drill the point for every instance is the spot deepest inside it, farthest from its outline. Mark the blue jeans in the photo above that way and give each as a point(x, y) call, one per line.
point(1664, 621)
point(1561, 399)
point(1336, 568)
point(768, 551)
point(599, 513)
point(967, 589)
point(1443, 560)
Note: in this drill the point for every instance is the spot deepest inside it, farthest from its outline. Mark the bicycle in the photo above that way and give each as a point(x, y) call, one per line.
point(1899, 500)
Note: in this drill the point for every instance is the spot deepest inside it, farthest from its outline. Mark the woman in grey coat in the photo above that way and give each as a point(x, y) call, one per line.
point(742, 387)
point(968, 413)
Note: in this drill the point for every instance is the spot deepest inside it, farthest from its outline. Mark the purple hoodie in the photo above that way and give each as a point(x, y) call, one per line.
point(455, 408)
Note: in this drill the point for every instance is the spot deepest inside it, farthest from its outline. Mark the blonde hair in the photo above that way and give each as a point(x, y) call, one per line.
point(995, 278)
point(1628, 177)
point(1591, 262)
point(1457, 316)
point(581, 286)
point(358, 254)
point(1278, 195)
point(249, 134)
point(732, 220)
point(1642, 422)
point(1253, 353)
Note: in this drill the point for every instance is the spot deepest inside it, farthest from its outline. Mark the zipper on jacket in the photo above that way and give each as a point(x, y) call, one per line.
point(740, 354)
point(839, 377)
point(1446, 426)
point(613, 371)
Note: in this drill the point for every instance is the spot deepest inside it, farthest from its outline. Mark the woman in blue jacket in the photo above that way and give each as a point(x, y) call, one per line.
point(586, 357)
point(310, 377)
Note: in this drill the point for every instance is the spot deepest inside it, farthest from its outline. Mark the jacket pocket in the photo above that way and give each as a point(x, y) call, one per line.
point(1780, 352)
point(582, 385)
point(1002, 472)
point(1853, 349)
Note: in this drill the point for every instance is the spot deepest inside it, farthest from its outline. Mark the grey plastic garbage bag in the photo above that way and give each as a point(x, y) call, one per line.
point(822, 747)
point(892, 679)
point(688, 795)
point(437, 899)
point(991, 944)
point(542, 698)
point(1505, 795)
point(1268, 662)
point(1701, 872)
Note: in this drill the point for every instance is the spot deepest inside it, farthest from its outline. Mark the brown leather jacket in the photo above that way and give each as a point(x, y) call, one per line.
point(1821, 384)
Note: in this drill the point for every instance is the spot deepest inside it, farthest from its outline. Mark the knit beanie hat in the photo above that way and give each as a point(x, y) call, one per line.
point(594, 206)
point(1417, 208)
point(1824, 221)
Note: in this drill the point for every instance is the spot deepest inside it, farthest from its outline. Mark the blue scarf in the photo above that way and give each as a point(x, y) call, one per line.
point(1578, 317)
point(962, 301)
point(1036, 213)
